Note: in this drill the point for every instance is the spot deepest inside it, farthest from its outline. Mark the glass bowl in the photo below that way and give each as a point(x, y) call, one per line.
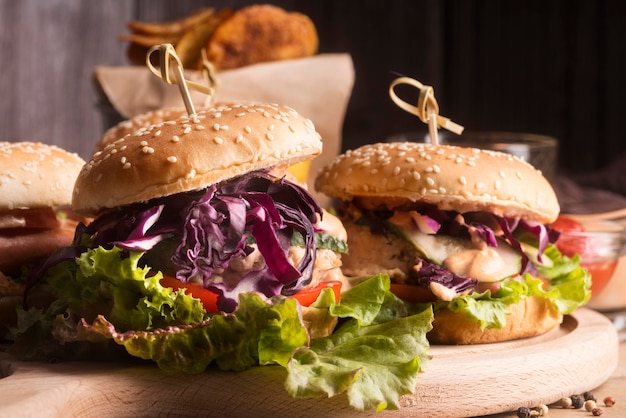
point(600, 244)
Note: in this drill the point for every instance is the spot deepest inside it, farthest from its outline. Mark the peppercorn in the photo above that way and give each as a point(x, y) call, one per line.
point(589, 396)
point(566, 403)
point(609, 401)
point(523, 412)
point(577, 401)
point(590, 405)
point(542, 410)
point(596, 412)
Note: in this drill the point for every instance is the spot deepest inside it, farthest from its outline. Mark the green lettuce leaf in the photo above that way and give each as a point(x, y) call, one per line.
point(106, 301)
point(114, 286)
point(257, 333)
point(375, 355)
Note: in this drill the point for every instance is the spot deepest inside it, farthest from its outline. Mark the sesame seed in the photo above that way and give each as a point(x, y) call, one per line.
point(519, 175)
point(216, 127)
point(429, 169)
point(463, 180)
point(436, 168)
point(471, 163)
point(199, 127)
point(239, 138)
point(191, 174)
point(247, 129)
point(416, 175)
point(172, 159)
point(175, 138)
point(410, 160)
point(114, 151)
point(126, 166)
point(396, 170)
point(123, 160)
point(271, 127)
point(269, 136)
point(218, 140)
point(292, 129)
point(144, 143)
point(187, 130)
point(430, 181)
point(374, 171)
point(266, 114)
point(157, 133)
point(147, 150)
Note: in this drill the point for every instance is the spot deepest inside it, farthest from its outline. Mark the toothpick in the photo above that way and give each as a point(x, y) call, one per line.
point(427, 108)
point(170, 62)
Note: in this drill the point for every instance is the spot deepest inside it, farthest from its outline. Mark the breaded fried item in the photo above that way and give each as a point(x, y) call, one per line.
point(261, 33)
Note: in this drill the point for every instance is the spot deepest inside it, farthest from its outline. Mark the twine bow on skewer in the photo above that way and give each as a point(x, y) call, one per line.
point(427, 108)
point(171, 71)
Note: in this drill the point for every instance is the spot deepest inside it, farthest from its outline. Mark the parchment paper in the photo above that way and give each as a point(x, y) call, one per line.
point(318, 87)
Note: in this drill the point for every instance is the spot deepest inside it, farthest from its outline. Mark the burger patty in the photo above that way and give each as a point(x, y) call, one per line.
point(19, 247)
point(376, 253)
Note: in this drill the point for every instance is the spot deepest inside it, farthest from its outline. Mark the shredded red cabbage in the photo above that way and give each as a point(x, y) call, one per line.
point(213, 227)
point(430, 272)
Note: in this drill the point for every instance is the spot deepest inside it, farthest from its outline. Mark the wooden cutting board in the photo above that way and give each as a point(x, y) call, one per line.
point(459, 381)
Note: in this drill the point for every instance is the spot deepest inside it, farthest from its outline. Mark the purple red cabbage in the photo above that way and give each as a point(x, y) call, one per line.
point(430, 272)
point(213, 227)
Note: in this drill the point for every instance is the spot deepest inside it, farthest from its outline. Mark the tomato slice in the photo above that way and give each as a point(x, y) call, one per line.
point(309, 295)
point(412, 293)
point(565, 223)
point(208, 298)
point(569, 245)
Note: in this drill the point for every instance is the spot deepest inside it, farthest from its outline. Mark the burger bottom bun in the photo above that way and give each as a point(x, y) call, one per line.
point(528, 318)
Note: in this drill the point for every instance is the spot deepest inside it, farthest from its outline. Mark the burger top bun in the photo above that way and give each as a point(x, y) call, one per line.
point(396, 175)
point(192, 152)
point(35, 175)
point(141, 121)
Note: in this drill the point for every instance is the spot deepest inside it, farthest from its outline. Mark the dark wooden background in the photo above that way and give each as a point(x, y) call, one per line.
point(554, 67)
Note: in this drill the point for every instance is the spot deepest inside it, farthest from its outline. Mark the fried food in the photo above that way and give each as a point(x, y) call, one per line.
point(253, 34)
point(261, 33)
point(175, 27)
point(190, 44)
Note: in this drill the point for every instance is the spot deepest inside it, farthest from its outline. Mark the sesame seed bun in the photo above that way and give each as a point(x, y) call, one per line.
point(396, 175)
point(137, 122)
point(35, 175)
point(193, 152)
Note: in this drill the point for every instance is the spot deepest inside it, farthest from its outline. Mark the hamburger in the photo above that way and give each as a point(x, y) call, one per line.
point(462, 229)
point(196, 211)
point(36, 182)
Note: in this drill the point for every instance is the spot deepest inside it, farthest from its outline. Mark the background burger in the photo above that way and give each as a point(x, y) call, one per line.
point(460, 228)
point(36, 182)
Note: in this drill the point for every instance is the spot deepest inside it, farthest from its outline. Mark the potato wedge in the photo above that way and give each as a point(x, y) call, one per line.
point(174, 27)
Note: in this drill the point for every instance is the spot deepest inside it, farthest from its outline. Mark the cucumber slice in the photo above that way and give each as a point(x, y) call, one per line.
point(495, 263)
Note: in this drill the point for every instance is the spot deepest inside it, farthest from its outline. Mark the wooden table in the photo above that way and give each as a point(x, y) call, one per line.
point(460, 381)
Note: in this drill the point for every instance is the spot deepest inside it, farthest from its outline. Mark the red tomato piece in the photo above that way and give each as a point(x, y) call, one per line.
point(309, 295)
point(565, 223)
point(208, 298)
